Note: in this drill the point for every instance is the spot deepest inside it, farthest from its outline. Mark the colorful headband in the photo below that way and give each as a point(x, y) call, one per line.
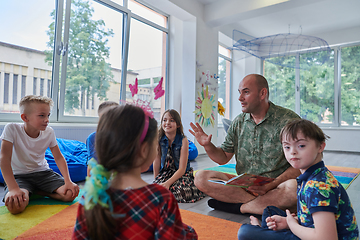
point(146, 127)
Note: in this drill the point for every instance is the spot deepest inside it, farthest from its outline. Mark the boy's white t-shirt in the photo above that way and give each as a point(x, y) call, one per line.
point(28, 153)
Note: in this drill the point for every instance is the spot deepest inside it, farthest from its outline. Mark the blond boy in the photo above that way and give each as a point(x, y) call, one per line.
point(22, 157)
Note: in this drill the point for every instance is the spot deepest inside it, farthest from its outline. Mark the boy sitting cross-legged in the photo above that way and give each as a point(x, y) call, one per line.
point(22, 157)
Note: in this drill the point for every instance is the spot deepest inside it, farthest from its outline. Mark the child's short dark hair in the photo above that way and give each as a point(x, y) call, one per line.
point(25, 101)
point(307, 128)
point(105, 105)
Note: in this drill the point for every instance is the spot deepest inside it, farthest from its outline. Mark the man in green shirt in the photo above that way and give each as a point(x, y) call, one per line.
point(253, 138)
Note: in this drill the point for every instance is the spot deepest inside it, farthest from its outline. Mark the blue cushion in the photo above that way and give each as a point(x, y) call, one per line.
point(76, 156)
point(193, 152)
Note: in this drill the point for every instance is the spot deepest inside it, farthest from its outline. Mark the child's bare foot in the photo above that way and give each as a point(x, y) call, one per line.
point(254, 221)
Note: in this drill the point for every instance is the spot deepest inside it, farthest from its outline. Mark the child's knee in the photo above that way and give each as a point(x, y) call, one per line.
point(17, 207)
point(245, 232)
point(68, 197)
point(65, 197)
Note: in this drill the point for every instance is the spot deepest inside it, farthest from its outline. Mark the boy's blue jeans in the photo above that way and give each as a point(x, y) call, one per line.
point(250, 232)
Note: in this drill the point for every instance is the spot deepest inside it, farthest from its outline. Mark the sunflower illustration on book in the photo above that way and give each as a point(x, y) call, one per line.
point(205, 107)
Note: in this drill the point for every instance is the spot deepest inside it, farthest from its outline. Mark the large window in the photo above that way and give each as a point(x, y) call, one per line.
point(224, 81)
point(350, 86)
point(22, 45)
point(94, 57)
point(313, 91)
point(281, 82)
point(317, 88)
point(81, 53)
point(147, 55)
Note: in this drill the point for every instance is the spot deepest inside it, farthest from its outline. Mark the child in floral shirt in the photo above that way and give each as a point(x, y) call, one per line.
point(324, 210)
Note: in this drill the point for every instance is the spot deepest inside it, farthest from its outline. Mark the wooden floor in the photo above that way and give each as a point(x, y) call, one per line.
point(201, 162)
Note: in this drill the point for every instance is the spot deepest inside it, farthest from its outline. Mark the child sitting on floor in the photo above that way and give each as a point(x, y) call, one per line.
point(324, 210)
point(116, 202)
point(171, 166)
point(90, 141)
point(22, 159)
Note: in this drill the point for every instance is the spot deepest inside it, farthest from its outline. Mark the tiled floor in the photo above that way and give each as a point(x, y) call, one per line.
point(201, 162)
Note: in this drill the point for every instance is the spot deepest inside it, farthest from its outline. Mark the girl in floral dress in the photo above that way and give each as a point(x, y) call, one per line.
point(171, 167)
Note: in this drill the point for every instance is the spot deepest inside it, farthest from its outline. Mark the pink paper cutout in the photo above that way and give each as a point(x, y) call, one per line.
point(159, 92)
point(134, 88)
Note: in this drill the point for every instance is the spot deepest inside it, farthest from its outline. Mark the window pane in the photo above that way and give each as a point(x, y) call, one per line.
point(34, 85)
point(94, 58)
point(23, 85)
point(22, 45)
point(281, 82)
point(350, 86)
point(120, 2)
point(147, 57)
point(147, 13)
point(224, 51)
point(224, 87)
point(317, 87)
point(15, 88)
point(6, 88)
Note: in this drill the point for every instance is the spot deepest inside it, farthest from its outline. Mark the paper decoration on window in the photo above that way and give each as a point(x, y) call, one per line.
point(159, 92)
point(279, 48)
point(205, 107)
point(134, 88)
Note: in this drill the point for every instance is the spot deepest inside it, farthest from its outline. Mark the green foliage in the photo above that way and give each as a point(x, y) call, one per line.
point(317, 87)
point(281, 82)
point(143, 81)
point(87, 71)
point(350, 85)
point(317, 98)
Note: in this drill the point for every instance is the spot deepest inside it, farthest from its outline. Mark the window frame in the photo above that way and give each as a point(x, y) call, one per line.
point(337, 85)
point(60, 58)
point(230, 59)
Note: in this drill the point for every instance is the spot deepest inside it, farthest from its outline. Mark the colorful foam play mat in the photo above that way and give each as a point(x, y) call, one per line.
point(345, 175)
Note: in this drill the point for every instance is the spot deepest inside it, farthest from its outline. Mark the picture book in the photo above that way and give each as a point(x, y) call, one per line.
point(245, 180)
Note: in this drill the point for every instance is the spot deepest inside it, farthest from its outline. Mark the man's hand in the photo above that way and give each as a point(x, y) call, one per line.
point(201, 137)
point(260, 190)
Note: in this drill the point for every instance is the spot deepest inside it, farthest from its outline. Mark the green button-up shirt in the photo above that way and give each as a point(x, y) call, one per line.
point(257, 147)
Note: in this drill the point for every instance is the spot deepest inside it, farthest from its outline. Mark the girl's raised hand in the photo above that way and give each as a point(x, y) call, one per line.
point(276, 223)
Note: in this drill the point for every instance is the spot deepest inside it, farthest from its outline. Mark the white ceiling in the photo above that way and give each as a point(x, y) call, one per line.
point(260, 18)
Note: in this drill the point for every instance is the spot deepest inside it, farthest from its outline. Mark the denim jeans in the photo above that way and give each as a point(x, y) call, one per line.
point(250, 232)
